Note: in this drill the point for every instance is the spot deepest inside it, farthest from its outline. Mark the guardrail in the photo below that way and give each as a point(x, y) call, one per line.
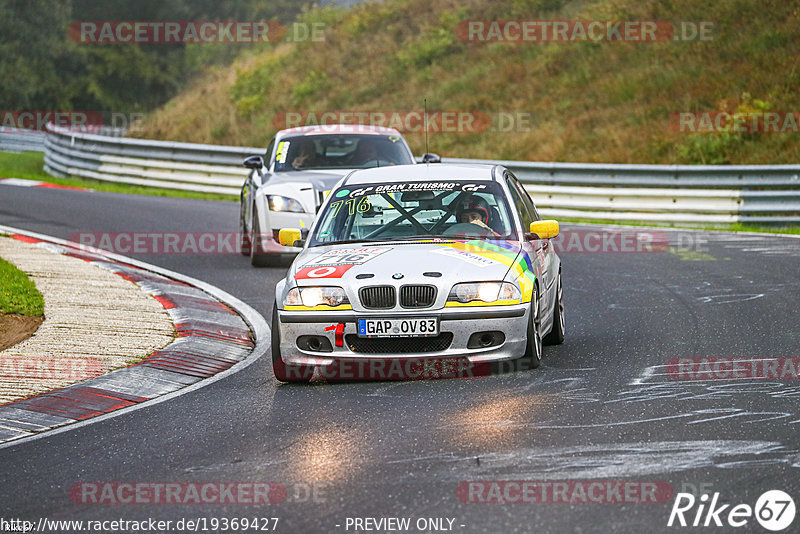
point(661, 193)
point(186, 166)
point(658, 193)
point(18, 140)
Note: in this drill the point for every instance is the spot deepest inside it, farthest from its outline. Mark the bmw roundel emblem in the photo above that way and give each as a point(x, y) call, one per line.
point(397, 276)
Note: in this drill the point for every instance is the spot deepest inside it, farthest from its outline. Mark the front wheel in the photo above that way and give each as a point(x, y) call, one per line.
point(533, 348)
point(244, 238)
point(257, 256)
point(556, 335)
point(283, 372)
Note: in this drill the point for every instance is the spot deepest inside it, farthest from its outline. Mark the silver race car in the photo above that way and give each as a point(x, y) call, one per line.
point(287, 186)
point(419, 262)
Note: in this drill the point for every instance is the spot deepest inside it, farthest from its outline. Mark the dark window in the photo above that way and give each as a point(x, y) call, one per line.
point(526, 198)
point(522, 207)
point(268, 153)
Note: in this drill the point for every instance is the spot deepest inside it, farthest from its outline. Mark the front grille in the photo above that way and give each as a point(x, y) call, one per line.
point(397, 345)
point(417, 296)
point(377, 297)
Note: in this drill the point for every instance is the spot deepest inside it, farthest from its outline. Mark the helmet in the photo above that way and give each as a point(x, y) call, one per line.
point(473, 203)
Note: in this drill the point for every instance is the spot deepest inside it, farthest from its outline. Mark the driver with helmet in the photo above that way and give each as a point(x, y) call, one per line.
point(474, 210)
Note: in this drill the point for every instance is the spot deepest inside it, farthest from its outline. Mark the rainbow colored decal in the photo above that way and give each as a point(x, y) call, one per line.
point(509, 254)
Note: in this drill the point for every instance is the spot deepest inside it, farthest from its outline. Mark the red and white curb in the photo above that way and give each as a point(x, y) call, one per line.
point(217, 334)
point(19, 182)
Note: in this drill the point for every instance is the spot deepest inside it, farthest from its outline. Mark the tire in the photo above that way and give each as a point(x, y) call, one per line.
point(244, 239)
point(285, 373)
point(556, 335)
point(257, 256)
point(533, 347)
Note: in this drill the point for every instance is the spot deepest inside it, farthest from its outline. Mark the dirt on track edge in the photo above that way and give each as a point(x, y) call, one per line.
point(15, 328)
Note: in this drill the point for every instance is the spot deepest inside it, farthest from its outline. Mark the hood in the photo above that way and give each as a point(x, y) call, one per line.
point(454, 261)
point(309, 187)
point(322, 180)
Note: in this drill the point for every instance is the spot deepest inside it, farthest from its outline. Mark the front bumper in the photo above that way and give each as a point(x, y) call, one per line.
point(461, 323)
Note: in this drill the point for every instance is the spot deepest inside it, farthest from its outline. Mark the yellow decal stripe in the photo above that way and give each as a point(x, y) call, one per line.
point(524, 278)
point(475, 303)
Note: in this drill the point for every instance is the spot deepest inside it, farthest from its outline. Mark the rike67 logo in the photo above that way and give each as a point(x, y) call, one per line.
point(774, 510)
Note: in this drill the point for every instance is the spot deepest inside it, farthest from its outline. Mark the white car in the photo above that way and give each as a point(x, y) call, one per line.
point(286, 187)
point(423, 262)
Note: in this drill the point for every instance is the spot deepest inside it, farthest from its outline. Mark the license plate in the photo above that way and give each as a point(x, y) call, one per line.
point(410, 327)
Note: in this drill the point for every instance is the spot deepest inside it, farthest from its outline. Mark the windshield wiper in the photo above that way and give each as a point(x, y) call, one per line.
point(415, 237)
point(348, 241)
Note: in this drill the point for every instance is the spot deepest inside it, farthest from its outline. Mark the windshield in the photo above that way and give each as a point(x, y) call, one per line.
point(344, 151)
point(414, 210)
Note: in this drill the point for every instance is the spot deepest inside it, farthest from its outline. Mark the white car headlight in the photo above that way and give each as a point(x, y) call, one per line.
point(484, 291)
point(316, 296)
point(279, 203)
point(293, 298)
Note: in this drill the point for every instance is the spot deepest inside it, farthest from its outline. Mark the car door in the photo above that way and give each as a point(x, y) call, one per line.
point(538, 250)
point(552, 258)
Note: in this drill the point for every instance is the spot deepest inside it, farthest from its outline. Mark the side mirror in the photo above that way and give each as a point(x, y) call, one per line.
point(254, 162)
point(544, 229)
point(291, 237)
point(431, 158)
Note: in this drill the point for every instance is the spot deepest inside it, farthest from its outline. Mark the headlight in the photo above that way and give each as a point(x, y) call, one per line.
point(316, 296)
point(293, 298)
point(484, 291)
point(279, 203)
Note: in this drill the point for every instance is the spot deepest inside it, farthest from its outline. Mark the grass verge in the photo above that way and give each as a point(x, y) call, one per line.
point(18, 293)
point(576, 101)
point(29, 166)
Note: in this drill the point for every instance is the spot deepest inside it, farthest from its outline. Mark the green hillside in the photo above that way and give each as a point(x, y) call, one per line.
point(586, 101)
